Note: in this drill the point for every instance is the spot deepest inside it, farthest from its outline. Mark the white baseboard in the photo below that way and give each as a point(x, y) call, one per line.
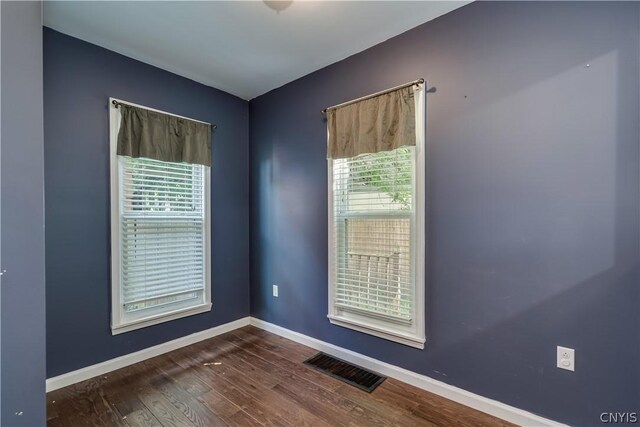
point(486, 405)
point(102, 368)
point(489, 406)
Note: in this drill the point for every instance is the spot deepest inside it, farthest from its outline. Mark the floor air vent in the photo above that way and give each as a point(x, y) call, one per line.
point(350, 374)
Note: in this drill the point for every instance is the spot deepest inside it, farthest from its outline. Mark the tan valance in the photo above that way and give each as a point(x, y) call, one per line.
point(380, 123)
point(154, 135)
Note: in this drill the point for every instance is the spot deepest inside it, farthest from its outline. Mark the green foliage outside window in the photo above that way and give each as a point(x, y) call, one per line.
point(387, 172)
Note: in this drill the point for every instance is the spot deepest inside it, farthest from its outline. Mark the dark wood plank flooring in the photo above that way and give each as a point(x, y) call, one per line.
point(247, 377)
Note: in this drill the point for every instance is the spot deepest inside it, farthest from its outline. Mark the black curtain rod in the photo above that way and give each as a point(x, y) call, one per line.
point(373, 95)
point(118, 104)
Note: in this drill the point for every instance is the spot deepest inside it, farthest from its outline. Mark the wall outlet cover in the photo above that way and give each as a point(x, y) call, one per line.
point(566, 358)
point(275, 290)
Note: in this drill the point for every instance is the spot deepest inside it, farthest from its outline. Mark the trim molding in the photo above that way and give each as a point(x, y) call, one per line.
point(472, 400)
point(107, 366)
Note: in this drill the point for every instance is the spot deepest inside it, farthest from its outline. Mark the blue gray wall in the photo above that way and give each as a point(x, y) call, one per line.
point(532, 201)
point(22, 217)
point(78, 79)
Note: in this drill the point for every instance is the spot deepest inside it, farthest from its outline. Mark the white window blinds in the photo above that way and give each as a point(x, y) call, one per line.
point(162, 224)
point(373, 226)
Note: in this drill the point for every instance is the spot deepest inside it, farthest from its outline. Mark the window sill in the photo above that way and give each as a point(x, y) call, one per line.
point(160, 318)
point(401, 338)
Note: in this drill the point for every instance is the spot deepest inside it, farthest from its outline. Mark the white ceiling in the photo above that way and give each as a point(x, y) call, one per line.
point(241, 47)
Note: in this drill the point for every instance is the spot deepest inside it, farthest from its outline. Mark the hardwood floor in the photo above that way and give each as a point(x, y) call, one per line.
point(247, 377)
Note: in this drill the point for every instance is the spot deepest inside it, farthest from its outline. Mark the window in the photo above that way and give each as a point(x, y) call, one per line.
point(160, 239)
point(376, 241)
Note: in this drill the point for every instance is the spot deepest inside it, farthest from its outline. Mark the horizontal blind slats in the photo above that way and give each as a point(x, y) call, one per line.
point(156, 247)
point(160, 174)
point(164, 257)
point(150, 262)
point(163, 300)
point(163, 167)
point(161, 187)
point(152, 277)
point(162, 288)
point(162, 227)
point(156, 289)
point(372, 201)
point(166, 273)
point(149, 286)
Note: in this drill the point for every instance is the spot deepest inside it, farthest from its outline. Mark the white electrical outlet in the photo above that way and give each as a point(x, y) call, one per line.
point(275, 290)
point(566, 358)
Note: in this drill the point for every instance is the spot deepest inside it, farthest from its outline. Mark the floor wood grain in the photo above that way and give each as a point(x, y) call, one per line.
point(247, 377)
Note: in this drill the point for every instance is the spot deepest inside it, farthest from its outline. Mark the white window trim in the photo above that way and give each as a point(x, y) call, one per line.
point(118, 324)
point(414, 336)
